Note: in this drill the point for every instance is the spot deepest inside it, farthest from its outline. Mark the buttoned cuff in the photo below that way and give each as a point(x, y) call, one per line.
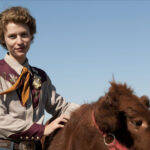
point(35, 132)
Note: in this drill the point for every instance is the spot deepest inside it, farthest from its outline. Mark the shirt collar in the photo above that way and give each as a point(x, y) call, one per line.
point(15, 64)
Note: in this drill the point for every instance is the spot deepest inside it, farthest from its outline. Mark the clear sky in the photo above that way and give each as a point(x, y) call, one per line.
point(81, 44)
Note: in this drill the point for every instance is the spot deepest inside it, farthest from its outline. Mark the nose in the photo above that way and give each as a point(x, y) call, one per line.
point(19, 40)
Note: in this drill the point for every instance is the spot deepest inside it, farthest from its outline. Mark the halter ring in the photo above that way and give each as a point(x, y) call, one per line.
point(113, 141)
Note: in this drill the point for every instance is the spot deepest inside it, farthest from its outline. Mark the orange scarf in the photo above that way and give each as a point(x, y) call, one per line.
point(26, 87)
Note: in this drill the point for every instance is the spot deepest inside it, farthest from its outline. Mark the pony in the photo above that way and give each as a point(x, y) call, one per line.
point(119, 120)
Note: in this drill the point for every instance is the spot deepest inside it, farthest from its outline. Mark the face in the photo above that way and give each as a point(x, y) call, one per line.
point(17, 39)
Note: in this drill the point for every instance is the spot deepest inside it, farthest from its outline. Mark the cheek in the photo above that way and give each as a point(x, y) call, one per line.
point(9, 44)
point(28, 42)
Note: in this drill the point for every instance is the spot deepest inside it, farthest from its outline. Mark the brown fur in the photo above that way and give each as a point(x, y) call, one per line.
point(119, 112)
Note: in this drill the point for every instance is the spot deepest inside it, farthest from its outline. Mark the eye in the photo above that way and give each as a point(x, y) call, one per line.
point(137, 123)
point(12, 36)
point(24, 35)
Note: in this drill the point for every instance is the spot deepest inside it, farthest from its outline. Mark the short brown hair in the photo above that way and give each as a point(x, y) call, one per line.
point(16, 15)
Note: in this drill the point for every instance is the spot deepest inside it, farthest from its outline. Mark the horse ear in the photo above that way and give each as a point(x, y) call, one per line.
point(145, 101)
point(111, 100)
point(111, 96)
point(108, 99)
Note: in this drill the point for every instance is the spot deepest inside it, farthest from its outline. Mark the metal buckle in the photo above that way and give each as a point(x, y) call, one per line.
point(113, 139)
point(7, 146)
point(27, 145)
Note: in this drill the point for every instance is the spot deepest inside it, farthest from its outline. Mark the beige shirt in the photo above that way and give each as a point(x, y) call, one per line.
point(16, 118)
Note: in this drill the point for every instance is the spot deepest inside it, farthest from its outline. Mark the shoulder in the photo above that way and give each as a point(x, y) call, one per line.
point(2, 63)
point(39, 72)
point(6, 69)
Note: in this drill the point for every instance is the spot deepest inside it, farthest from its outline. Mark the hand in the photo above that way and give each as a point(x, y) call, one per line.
point(55, 125)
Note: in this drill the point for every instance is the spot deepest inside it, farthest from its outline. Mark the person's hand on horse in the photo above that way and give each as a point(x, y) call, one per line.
point(57, 123)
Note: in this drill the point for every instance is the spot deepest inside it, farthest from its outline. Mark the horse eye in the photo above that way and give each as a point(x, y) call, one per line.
point(138, 123)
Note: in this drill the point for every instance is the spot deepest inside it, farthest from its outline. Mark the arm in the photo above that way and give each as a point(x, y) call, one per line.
point(55, 104)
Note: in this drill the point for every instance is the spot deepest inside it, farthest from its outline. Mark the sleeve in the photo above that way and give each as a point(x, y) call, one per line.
point(35, 132)
point(56, 104)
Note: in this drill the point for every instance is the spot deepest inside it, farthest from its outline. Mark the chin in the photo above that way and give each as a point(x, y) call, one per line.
point(20, 57)
point(21, 54)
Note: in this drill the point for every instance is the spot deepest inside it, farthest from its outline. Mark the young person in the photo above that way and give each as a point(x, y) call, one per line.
point(25, 91)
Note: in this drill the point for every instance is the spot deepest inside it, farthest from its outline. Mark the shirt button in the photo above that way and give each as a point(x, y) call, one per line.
point(27, 137)
point(21, 137)
point(37, 138)
point(32, 138)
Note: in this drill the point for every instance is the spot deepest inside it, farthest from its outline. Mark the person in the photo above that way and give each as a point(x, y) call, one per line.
point(25, 91)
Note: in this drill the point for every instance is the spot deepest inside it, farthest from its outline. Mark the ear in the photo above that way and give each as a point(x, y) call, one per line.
point(145, 101)
point(108, 99)
point(111, 95)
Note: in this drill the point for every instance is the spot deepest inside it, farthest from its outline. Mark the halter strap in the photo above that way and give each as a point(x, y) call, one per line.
point(114, 145)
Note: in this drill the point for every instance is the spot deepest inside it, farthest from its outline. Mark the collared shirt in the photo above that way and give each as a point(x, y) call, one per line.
point(25, 122)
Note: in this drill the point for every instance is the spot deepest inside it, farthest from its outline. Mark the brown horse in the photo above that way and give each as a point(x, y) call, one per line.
point(118, 120)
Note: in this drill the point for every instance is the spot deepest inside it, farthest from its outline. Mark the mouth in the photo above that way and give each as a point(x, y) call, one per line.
point(20, 49)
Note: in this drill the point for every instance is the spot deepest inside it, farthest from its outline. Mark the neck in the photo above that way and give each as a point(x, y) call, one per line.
point(19, 60)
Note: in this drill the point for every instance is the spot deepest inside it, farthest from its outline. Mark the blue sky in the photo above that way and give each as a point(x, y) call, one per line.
point(82, 44)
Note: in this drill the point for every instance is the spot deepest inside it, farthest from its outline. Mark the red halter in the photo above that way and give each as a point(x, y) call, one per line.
point(114, 145)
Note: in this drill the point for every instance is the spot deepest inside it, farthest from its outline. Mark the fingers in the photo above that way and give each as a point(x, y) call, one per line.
point(60, 126)
point(61, 121)
point(66, 116)
point(57, 123)
point(62, 118)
